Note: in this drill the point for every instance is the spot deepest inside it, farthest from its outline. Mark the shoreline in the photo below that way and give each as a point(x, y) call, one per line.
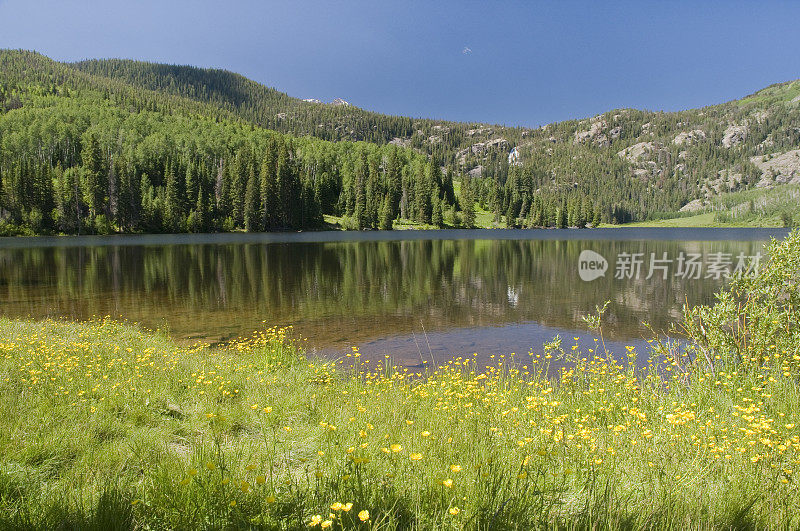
point(618, 233)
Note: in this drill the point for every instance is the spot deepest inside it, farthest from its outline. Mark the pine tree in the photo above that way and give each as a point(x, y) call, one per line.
point(68, 201)
point(511, 220)
point(172, 202)
point(201, 211)
point(267, 186)
point(467, 203)
point(45, 196)
point(191, 185)
point(239, 186)
point(422, 194)
point(360, 195)
point(394, 181)
point(288, 188)
point(222, 190)
point(437, 217)
point(448, 191)
point(561, 216)
point(94, 174)
point(121, 206)
point(596, 219)
point(252, 213)
point(386, 218)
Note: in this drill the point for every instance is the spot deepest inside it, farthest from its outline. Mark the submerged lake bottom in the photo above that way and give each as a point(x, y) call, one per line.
point(416, 298)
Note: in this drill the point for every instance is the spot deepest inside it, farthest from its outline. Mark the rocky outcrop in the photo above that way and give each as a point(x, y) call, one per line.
point(339, 102)
point(693, 205)
point(500, 143)
point(637, 152)
point(726, 181)
point(475, 172)
point(402, 142)
point(780, 168)
point(594, 135)
point(689, 137)
point(480, 131)
point(480, 148)
point(734, 135)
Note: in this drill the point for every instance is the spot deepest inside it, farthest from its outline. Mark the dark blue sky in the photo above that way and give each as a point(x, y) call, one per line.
point(530, 62)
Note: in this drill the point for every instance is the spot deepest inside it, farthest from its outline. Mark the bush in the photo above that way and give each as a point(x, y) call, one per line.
point(349, 223)
point(757, 318)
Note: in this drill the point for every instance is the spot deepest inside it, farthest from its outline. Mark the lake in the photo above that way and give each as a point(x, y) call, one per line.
point(416, 296)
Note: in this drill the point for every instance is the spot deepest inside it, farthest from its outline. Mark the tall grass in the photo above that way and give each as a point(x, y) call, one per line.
point(105, 426)
point(780, 205)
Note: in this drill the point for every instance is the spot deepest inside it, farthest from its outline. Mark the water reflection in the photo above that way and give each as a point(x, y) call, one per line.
point(475, 295)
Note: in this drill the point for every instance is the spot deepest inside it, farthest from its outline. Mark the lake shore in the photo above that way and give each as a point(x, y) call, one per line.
point(610, 232)
point(124, 428)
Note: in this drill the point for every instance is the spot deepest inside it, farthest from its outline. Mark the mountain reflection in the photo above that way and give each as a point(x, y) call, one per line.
point(339, 294)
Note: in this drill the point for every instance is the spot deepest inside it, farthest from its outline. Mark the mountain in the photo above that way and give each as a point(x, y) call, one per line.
point(675, 159)
point(619, 166)
point(271, 109)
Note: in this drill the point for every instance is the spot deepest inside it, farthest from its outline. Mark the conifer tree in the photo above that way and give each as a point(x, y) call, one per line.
point(386, 218)
point(267, 186)
point(467, 203)
point(94, 174)
point(437, 217)
point(252, 212)
point(394, 180)
point(422, 194)
point(172, 202)
point(239, 186)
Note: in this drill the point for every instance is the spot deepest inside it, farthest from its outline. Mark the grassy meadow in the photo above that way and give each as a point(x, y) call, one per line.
point(106, 426)
point(759, 207)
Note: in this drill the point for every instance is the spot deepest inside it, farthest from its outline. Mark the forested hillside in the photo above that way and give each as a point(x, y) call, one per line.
point(627, 164)
point(119, 145)
point(84, 154)
point(269, 108)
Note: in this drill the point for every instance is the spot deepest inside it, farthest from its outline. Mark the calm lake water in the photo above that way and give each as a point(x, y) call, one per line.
point(416, 296)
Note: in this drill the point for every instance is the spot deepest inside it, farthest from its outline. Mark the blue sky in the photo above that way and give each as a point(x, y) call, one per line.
point(527, 63)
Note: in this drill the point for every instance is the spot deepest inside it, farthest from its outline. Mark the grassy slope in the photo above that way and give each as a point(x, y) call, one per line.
point(706, 219)
point(749, 208)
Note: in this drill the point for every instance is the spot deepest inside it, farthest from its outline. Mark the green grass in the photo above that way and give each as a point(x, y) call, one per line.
point(103, 425)
point(759, 207)
point(699, 220)
point(706, 219)
point(780, 92)
point(483, 220)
